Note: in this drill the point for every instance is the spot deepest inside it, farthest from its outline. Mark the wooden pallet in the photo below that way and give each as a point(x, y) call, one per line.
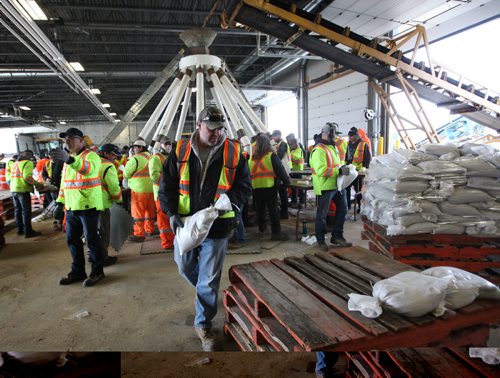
point(301, 304)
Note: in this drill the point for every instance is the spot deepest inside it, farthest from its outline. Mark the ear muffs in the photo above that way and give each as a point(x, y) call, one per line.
point(333, 129)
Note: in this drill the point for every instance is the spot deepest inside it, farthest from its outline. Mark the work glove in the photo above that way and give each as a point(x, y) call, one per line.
point(176, 222)
point(38, 185)
point(344, 170)
point(59, 155)
point(58, 213)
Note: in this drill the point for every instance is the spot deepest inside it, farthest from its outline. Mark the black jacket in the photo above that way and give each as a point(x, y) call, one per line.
point(201, 198)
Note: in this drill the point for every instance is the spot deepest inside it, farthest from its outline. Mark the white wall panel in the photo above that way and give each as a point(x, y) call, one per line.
point(342, 101)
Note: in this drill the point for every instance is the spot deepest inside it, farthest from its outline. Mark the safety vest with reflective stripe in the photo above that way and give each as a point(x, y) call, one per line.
point(10, 164)
point(111, 191)
point(288, 153)
point(231, 158)
point(324, 164)
point(359, 154)
point(81, 184)
point(262, 172)
point(342, 149)
point(297, 159)
point(137, 173)
point(48, 168)
point(119, 163)
point(20, 171)
point(155, 170)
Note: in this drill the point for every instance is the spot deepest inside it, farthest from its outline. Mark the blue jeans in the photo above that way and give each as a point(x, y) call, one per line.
point(22, 211)
point(340, 199)
point(202, 268)
point(78, 223)
point(325, 361)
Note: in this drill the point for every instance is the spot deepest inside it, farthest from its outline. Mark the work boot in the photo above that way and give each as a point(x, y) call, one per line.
point(340, 242)
point(109, 260)
point(208, 340)
point(32, 234)
point(280, 237)
point(72, 278)
point(136, 239)
point(154, 233)
point(20, 232)
point(236, 245)
point(93, 279)
point(323, 246)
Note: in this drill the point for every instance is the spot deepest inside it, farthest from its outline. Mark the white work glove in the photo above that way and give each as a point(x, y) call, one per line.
point(59, 155)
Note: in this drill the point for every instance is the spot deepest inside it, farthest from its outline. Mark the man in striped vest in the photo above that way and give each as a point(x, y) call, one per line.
point(325, 166)
point(81, 195)
point(358, 153)
point(201, 169)
point(156, 163)
point(141, 187)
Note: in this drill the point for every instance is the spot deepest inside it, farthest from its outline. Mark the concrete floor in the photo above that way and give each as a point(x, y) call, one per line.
point(142, 305)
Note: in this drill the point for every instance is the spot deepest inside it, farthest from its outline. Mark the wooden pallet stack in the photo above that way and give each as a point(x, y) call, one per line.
point(474, 254)
point(6, 206)
point(300, 304)
point(420, 362)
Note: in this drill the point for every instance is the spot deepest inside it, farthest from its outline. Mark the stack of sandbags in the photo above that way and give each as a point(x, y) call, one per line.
point(439, 189)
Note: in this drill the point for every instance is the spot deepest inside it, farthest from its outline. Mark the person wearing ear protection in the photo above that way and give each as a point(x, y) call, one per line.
point(326, 166)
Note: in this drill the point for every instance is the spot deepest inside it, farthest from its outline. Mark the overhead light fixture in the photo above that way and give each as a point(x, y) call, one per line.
point(24, 108)
point(113, 114)
point(77, 66)
point(106, 105)
point(33, 10)
point(95, 90)
point(62, 122)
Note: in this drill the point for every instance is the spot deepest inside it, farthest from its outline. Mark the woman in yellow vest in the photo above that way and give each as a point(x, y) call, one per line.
point(266, 172)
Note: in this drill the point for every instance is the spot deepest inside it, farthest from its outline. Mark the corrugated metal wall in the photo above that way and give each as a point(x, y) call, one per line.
point(342, 101)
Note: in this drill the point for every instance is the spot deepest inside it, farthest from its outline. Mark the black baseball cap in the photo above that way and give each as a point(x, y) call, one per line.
point(72, 131)
point(109, 147)
point(353, 131)
point(212, 117)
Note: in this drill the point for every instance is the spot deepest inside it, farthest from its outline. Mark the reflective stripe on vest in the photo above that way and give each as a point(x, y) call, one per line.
point(162, 159)
point(329, 161)
point(262, 172)
point(341, 148)
point(144, 172)
point(359, 154)
point(231, 156)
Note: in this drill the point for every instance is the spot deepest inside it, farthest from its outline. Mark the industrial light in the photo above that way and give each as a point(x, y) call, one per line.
point(113, 114)
point(24, 108)
point(33, 10)
point(62, 123)
point(106, 105)
point(95, 90)
point(77, 66)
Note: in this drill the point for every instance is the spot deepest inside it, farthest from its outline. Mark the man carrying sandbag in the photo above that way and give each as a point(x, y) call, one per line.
point(197, 172)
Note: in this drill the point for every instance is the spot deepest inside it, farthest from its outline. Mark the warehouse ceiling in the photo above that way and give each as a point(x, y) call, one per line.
point(124, 45)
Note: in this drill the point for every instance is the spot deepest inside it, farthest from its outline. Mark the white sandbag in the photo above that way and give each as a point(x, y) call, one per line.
point(460, 219)
point(490, 356)
point(401, 187)
point(383, 194)
point(458, 209)
point(484, 150)
point(485, 183)
point(482, 228)
point(413, 229)
point(367, 305)
point(490, 215)
point(464, 287)
point(494, 193)
point(489, 206)
point(428, 207)
point(405, 156)
point(449, 156)
point(439, 167)
point(468, 195)
point(411, 293)
point(439, 149)
point(197, 226)
point(478, 167)
point(343, 181)
point(449, 228)
point(378, 171)
point(466, 148)
point(494, 159)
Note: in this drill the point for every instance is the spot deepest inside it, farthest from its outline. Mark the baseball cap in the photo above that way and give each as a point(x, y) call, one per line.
point(140, 143)
point(353, 131)
point(212, 117)
point(72, 131)
point(165, 140)
point(109, 147)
